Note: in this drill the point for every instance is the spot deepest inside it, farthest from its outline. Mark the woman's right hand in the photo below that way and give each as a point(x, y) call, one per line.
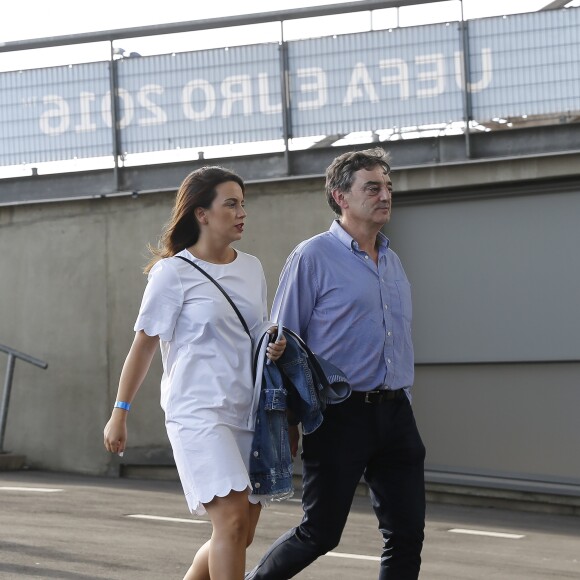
point(115, 432)
point(134, 371)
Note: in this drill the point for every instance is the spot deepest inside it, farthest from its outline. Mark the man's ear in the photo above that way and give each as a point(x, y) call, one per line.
point(339, 198)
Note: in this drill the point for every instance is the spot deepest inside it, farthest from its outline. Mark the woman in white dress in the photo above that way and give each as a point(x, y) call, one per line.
point(207, 389)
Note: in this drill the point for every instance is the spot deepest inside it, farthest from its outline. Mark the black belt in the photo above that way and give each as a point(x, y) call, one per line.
point(379, 396)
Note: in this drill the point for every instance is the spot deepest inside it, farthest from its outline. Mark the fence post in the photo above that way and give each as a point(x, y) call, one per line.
point(467, 105)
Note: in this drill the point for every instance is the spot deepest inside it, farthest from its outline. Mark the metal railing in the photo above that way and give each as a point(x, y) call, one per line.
point(12, 356)
point(388, 84)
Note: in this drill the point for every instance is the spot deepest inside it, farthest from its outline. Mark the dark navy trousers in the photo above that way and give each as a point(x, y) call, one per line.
point(380, 442)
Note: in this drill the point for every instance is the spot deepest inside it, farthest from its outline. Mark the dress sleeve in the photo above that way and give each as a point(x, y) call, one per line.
point(162, 302)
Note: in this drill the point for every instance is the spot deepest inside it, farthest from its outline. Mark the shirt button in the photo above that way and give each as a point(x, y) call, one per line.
point(389, 333)
point(257, 485)
point(386, 306)
point(389, 360)
point(366, 257)
point(256, 454)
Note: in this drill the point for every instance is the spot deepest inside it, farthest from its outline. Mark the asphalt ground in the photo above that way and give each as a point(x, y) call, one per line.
point(71, 527)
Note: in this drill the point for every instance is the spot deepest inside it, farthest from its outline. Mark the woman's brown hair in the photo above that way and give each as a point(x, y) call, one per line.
point(197, 190)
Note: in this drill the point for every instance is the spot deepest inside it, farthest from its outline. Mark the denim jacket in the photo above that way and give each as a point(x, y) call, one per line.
point(301, 382)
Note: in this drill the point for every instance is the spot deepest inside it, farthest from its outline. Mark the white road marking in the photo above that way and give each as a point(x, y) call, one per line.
point(490, 534)
point(166, 519)
point(353, 556)
point(33, 489)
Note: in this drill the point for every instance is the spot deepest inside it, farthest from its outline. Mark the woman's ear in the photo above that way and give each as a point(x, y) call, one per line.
point(200, 215)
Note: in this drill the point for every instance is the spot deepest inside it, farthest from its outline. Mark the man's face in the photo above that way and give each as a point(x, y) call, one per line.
point(369, 199)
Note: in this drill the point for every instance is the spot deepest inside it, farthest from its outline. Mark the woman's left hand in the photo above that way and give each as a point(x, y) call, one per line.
point(275, 349)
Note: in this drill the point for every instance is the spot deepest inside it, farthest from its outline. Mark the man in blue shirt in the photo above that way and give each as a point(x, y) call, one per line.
point(346, 293)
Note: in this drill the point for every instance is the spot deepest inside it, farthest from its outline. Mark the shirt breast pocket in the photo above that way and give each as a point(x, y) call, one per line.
point(404, 291)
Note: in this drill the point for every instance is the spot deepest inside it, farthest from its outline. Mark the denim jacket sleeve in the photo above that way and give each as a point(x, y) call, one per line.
point(270, 457)
point(303, 383)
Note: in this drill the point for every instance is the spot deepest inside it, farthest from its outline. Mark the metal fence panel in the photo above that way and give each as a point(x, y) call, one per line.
point(389, 78)
point(203, 98)
point(530, 64)
point(524, 65)
point(56, 113)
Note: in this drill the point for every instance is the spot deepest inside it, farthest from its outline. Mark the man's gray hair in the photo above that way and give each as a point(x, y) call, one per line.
point(340, 173)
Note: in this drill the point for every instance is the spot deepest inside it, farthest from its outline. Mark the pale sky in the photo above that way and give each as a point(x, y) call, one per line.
point(27, 19)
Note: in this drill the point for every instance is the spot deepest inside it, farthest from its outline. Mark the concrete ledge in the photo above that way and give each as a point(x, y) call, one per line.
point(446, 493)
point(528, 501)
point(465, 495)
point(11, 462)
point(503, 492)
point(442, 486)
point(428, 163)
point(156, 472)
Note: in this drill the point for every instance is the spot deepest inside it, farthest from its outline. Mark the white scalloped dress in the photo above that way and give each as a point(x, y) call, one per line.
point(206, 388)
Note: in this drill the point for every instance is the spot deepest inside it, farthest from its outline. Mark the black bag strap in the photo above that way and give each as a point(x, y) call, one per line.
point(244, 324)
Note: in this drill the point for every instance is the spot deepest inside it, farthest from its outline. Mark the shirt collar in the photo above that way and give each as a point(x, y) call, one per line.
point(345, 238)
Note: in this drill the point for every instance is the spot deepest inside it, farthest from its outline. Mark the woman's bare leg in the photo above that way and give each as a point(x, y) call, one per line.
point(234, 522)
point(199, 569)
point(255, 510)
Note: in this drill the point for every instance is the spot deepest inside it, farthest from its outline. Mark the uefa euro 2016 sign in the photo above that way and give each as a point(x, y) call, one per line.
point(376, 80)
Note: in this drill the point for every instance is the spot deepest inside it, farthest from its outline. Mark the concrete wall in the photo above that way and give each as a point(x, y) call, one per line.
point(71, 285)
point(514, 421)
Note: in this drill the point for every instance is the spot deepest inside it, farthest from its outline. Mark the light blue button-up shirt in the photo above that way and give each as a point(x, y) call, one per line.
point(349, 310)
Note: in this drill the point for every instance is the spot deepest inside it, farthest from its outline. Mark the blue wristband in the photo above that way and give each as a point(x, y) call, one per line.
point(122, 405)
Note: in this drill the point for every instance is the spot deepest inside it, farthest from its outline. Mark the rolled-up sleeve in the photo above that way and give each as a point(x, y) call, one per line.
point(162, 302)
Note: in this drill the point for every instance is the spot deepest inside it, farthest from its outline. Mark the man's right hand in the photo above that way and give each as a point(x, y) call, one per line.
point(294, 438)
